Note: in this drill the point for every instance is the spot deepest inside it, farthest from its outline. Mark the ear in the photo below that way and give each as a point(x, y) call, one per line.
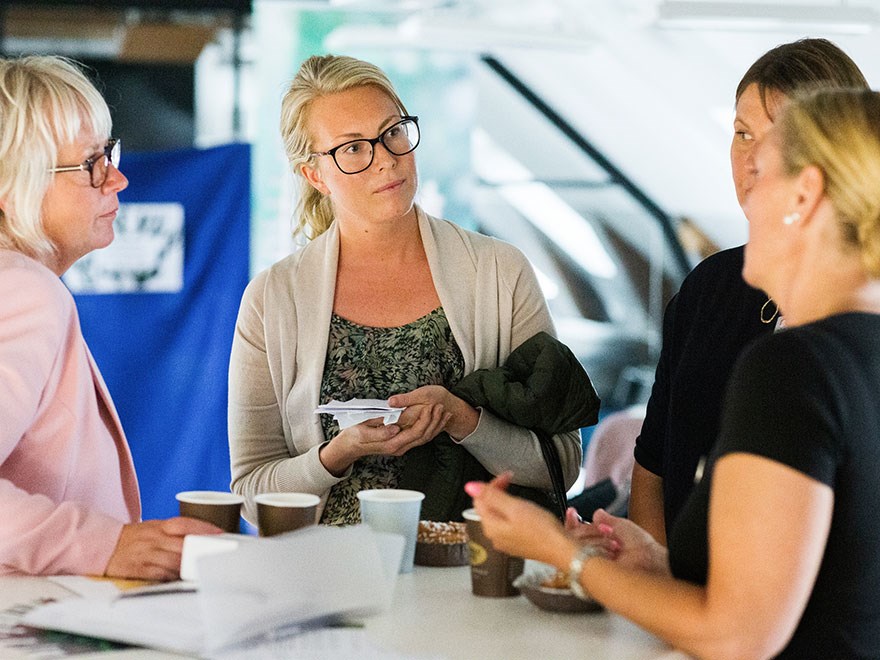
point(313, 176)
point(810, 190)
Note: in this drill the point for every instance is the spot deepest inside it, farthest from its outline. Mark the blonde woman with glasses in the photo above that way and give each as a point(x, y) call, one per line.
point(68, 489)
point(384, 301)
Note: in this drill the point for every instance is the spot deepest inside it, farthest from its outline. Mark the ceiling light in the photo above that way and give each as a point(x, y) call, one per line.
point(758, 16)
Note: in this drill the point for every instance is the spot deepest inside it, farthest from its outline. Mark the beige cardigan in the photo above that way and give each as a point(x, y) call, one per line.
point(493, 303)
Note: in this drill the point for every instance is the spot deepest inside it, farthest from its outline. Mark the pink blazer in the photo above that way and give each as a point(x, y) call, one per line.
point(67, 481)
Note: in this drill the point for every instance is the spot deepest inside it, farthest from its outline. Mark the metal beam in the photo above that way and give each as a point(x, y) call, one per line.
point(615, 174)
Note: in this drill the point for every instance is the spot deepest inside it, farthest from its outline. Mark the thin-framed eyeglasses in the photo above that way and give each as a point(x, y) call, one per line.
point(356, 156)
point(98, 166)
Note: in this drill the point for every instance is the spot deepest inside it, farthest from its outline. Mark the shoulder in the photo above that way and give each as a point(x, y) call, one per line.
point(796, 388)
point(832, 344)
point(715, 293)
point(34, 303)
point(301, 267)
point(780, 367)
point(26, 284)
point(723, 268)
point(479, 246)
point(779, 350)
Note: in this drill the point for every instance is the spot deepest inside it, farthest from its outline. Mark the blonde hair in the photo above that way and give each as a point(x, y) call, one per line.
point(45, 102)
point(320, 75)
point(838, 131)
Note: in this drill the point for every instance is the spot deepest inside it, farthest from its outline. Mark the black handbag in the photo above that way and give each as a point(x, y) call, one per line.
point(554, 467)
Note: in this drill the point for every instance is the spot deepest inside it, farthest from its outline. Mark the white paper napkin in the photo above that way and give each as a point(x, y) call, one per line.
point(354, 411)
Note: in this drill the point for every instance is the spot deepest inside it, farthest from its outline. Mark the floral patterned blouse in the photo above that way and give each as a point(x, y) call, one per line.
point(375, 363)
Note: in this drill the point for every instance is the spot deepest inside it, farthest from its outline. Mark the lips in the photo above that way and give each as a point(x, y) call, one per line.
point(394, 185)
point(110, 214)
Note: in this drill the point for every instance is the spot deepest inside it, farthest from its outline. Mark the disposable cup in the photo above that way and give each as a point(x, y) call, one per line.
point(278, 513)
point(217, 507)
point(396, 511)
point(492, 571)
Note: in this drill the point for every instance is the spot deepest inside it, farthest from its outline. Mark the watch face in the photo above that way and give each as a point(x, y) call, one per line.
point(146, 254)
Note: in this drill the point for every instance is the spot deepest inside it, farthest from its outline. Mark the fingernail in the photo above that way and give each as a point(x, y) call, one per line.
point(473, 488)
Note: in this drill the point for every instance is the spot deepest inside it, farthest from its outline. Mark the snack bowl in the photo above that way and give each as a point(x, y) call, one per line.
point(534, 585)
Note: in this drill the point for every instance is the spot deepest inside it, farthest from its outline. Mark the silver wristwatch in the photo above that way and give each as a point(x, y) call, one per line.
point(576, 566)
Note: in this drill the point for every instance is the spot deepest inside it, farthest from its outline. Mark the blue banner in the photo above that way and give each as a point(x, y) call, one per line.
point(158, 310)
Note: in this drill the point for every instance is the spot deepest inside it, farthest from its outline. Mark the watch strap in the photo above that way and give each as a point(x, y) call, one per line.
point(576, 567)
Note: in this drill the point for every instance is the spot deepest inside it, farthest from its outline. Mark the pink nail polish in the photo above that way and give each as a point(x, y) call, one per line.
point(473, 488)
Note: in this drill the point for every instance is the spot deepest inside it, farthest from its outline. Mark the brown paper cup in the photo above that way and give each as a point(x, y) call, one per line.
point(278, 513)
point(492, 571)
point(216, 507)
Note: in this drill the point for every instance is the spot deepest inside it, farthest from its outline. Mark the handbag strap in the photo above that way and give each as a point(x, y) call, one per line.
point(554, 467)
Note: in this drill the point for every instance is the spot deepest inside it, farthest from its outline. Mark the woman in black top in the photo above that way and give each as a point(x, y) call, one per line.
point(716, 314)
point(777, 551)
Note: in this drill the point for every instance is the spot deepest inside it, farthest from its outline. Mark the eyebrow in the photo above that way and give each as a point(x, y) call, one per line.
point(95, 149)
point(357, 136)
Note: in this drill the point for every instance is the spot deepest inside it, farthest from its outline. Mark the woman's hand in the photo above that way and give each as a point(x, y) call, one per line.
point(428, 411)
point(415, 427)
point(584, 532)
point(624, 541)
point(519, 527)
point(151, 550)
point(463, 418)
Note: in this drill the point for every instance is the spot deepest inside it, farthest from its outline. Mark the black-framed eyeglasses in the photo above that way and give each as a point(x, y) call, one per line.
point(98, 165)
point(357, 155)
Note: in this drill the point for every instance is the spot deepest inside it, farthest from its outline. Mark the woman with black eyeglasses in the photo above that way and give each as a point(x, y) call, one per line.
point(68, 490)
point(384, 301)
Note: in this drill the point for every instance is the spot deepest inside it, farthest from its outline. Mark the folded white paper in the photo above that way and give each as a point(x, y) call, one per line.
point(354, 411)
point(263, 589)
point(195, 547)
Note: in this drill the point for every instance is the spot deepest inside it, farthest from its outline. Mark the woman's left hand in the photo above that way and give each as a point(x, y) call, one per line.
point(462, 417)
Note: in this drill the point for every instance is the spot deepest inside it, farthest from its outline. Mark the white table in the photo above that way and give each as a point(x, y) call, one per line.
point(435, 613)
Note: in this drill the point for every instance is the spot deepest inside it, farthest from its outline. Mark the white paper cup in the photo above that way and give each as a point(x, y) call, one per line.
point(394, 511)
point(278, 513)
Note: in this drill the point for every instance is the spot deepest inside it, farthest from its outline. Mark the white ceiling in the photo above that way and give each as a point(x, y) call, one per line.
point(656, 100)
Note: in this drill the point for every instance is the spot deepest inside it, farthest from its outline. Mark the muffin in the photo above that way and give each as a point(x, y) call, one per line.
point(441, 544)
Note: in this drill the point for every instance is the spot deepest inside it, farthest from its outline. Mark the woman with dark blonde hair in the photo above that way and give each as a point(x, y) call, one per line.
point(68, 490)
point(777, 550)
point(383, 302)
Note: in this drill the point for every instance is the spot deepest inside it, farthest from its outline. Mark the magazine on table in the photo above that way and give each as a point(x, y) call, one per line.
point(256, 590)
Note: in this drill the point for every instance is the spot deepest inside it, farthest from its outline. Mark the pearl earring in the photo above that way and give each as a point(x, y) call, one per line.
point(791, 218)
